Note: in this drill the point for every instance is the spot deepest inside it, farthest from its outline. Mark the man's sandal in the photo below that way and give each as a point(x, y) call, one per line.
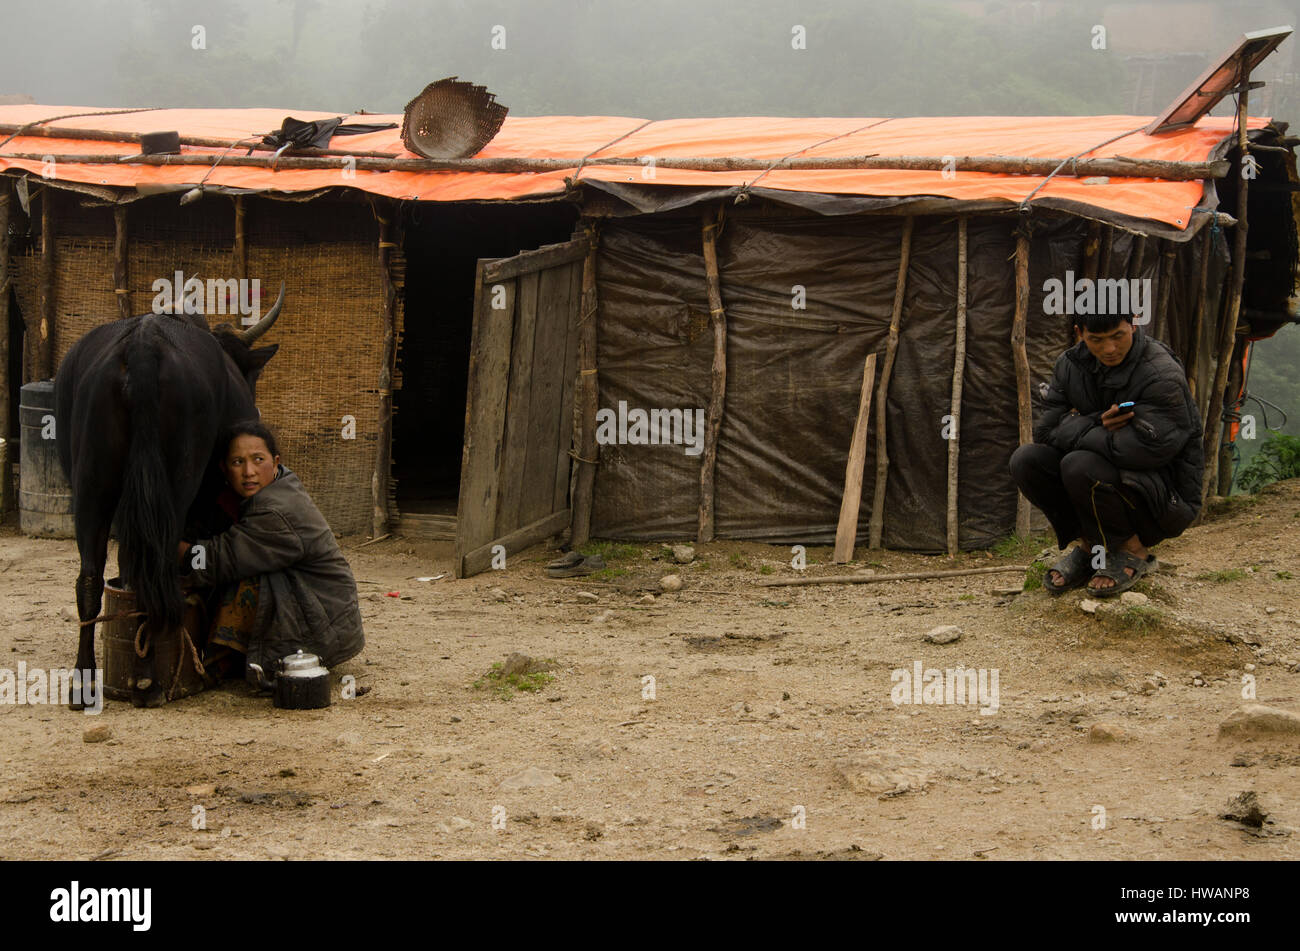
point(1074, 567)
point(1116, 562)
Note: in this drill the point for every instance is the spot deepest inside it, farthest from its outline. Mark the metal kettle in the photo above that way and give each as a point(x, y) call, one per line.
point(302, 682)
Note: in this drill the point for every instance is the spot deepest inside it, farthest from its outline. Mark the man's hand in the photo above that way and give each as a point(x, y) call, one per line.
point(1114, 419)
point(184, 547)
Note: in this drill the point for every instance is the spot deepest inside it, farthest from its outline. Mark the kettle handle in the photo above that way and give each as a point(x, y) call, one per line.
point(262, 682)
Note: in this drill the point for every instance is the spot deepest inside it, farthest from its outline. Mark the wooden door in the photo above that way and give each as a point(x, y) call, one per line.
point(514, 477)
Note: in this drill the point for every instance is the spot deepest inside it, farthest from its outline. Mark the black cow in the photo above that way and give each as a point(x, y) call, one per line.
point(138, 406)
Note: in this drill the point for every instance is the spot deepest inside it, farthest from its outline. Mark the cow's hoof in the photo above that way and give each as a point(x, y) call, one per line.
point(148, 697)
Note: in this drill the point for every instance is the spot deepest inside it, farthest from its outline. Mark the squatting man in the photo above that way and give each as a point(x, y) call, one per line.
point(1116, 460)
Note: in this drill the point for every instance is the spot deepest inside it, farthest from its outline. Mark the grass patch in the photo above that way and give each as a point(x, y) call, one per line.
point(1139, 618)
point(1034, 576)
point(1283, 575)
point(1231, 574)
point(966, 597)
point(765, 569)
point(738, 560)
point(609, 573)
point(1014, 546)
point(504, 686)
point(611, 551)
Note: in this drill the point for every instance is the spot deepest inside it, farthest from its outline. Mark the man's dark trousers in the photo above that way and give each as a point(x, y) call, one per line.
point(1081, 495)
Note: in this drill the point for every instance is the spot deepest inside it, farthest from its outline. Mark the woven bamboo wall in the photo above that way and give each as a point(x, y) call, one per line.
point(330, 332)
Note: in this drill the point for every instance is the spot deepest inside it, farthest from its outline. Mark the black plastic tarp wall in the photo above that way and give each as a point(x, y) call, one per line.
point(794, 374)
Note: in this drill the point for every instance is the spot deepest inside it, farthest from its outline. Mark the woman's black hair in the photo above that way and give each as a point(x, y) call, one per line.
point(249, 427)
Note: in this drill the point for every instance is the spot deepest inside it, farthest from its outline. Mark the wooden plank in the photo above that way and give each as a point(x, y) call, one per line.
point(480, 559)
point(121, 266)
point(586, 389)
point(550, 255)
point(6, 205)
point(882, 397)
point(485, 414)
point(846, 533)
point(514, 473)
point(1228, 326)
point(563, 461)
point(1020, 356)
point(549, 350)
point(1195, 350)
point(958, 373)
point(712, 222)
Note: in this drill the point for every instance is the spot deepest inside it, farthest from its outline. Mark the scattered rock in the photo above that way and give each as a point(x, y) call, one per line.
point(497, 594)
point(882, 773)
point(670, 583)
point(203, 790)
point(521, 665)
point(1256, 719)
point(592, 831)
point(1133, 598)
point(587, 596)
point(1242, 759)
point(1118, 694)
point(646, 599)
point(1089, 606)
point(455, 824)
point(1106, 733)
point(603, 617)
point(683, 554)
point(348, 739)
point(530, 778)
point(1149, 686)
point(1270, 610)
point(96, 734)
point(287, 772)
point(945, 634)
point(1245, 808)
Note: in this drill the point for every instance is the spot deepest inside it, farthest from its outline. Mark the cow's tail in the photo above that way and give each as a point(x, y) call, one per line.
point(147, 523)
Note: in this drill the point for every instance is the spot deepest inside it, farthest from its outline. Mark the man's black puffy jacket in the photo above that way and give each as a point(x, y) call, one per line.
point(1159, 452)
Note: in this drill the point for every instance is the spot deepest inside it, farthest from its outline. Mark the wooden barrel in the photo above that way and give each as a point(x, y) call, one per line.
point(119, 648)
point(44, 497)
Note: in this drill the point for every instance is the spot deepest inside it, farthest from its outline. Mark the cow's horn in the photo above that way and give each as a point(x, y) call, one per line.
point(263, 325)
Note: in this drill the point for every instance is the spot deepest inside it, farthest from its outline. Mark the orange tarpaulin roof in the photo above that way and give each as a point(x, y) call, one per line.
point(750, 137)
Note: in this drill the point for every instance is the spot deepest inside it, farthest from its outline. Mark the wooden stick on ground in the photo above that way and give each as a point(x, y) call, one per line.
point(882, 453)
point(846, 533)
point(718, 395)
point(958, 372)
point(1020, 356)
point(872, 579)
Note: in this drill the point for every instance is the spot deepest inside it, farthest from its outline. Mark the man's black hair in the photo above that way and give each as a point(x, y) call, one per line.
point(1100, 323)
point(249, 427)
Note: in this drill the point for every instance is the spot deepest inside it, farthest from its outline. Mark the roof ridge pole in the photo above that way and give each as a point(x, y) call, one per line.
point(1228, 329)
point(882, 391)
point(586, 397)
point(1020, 356)
point(121, 263)
point(712, 222)
point(958, 373)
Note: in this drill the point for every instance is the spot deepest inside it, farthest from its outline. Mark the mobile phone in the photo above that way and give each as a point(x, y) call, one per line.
point(1129, 405)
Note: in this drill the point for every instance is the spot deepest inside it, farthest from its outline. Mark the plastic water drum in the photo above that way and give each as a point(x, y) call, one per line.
point(44, 496)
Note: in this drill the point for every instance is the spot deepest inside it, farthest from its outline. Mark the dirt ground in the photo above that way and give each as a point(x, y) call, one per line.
point(771, 734)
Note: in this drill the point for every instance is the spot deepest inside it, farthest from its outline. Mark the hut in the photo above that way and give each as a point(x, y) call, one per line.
point(614, 327)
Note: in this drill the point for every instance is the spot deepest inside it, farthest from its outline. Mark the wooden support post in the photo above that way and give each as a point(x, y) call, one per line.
point(846, 533)
point(717, 398)
point(1193, 360)
point(42, 334)
point(1160, 322)
point(1103, 268)
point(5, 281)
point(1020, 356)
point(121, 266)
point(958, 372)
point(240, 249)
point(585, 400)
point(1228, 329)
point(1091, 248)
point(383, 452)
point(891, 348)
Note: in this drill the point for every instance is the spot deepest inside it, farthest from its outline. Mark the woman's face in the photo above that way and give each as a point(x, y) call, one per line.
point(249, 465)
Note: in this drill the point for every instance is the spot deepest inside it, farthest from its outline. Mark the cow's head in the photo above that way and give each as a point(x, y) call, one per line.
point(238, 343)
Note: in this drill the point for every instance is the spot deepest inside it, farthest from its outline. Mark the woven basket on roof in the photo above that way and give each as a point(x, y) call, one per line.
point(450, 119)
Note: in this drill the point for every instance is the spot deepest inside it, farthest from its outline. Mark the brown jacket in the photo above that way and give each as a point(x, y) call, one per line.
point(308, 597)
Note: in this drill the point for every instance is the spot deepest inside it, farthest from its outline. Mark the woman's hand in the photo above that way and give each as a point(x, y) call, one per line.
point(184, 547)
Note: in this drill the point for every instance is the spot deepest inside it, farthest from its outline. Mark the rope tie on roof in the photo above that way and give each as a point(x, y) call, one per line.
point(1074, 165)
point(572, 180)
point(743, 194)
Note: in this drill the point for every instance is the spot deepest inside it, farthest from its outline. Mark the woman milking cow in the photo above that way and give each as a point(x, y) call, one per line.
point(276, 581)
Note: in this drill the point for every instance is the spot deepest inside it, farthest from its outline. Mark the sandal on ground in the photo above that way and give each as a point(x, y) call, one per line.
point(585, 566)
point(567, 560)
point(1116, 562)
point(1074, 567)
